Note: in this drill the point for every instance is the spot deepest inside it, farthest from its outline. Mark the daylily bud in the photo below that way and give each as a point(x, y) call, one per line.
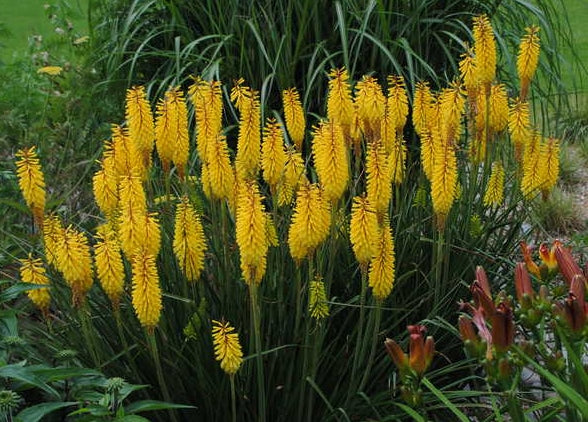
point(481, 299)
point(502, 327)
point(429, 351)
point(417, 348)
point(548, 257)
point(399, 358)
point(578, 287)
point(482, 278)
point(466, 329)
point(531, 266)
point(504, 368)
point(523, 281)
point(567, 264)
point(574, 312)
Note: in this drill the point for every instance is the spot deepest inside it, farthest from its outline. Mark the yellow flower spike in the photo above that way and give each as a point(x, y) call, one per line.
point(171, 130)
point(397, 102)
point(467, 71)
point(31, 181)
point(363, 230)
point(227, 349)
point(318, 307)
point(397, 160)
point(32, 271)
point(218, 172)
point(133, 212)
point(109, 265)
point(381, 273)
point(495, 189)
point(270, 231)
point(251, 232)
point(294, 115)
point(498, 108)
point(273, 154)
point(528, 58)
point(451, 109)
point(370, 104)
point(330, 159)
point(140, 121)
point(532, 167)
point(105, 187)
point(422, 104)
point(292, 178)
point(549, 165)
point(339, 102)
point(52, 233)
point(427, 153)
point(126, 158)
point(189, 241)
point(241, 95)
point(444, 178)
point(484, 50)
point(249, 142)
point(146, 293)
point(74, 261)
point(379, 188)
point(208, 112)
point(151, 241)
point(519, 124)
point(311, 221)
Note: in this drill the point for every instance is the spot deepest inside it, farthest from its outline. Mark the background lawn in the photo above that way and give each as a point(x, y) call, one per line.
point(24, 18)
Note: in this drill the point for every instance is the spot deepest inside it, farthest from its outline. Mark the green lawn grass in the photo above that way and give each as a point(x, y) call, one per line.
point(25, 18)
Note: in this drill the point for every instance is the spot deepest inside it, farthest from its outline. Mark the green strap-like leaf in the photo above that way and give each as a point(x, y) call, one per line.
point(461, 416)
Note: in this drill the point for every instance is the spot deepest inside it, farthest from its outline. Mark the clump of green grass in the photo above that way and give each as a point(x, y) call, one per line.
point(558, 214)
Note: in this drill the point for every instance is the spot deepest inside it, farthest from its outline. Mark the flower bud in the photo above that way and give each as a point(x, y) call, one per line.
point(567, 264)
point(548, 257)
point(482, 278)
point(531, 266)
point(481, 299)
point(399, 358)
point(502, 327)
point(523, 281)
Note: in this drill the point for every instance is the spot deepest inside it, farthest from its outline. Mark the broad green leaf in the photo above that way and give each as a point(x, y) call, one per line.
point(148, 405)
point(37, 412)
point(24, 374)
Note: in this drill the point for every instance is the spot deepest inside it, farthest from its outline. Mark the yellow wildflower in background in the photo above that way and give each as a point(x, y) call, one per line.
point(330, 159)
point(31, 181)
point(311, 221)
point(495, 189)
point(318, 308)
point(467, 71)
point(363, 230)
point(140, 122)
point(484, 50)
point(109, 265)
point(273, 154)
point(528, 58)
point(74, 261)
point(146, 295)
point(189, 241)
point(251, 232)
point(294, 115)
point(32, 271)
point(227, 349)
point(339, 100)
point(50, 70)
point(381, 273)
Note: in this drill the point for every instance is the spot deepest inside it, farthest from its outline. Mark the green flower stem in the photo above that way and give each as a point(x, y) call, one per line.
point(253, 295)
point(159, 371)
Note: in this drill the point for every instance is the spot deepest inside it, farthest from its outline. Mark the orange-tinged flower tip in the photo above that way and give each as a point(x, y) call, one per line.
point(523, 281)
point(531, 266)
point(399, 358)
point(548, 257)
point(567, 264)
